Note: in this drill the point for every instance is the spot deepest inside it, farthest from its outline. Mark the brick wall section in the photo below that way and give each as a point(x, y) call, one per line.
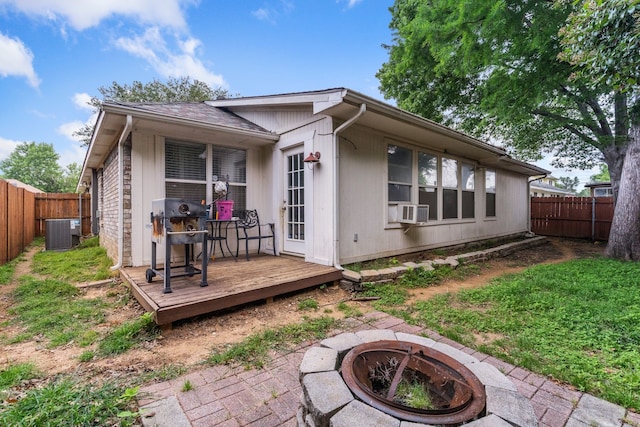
point(109, 204)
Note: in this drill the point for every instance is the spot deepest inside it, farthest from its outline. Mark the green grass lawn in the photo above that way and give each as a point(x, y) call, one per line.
point(578, 322)
point(51, 308)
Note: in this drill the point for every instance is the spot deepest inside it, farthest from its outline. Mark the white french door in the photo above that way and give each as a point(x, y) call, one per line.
point(294, 201)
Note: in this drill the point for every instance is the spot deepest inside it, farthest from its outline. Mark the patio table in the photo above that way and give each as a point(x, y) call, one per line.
point(218, 231)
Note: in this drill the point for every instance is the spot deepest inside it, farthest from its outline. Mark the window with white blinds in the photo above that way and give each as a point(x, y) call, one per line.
point(186, 171)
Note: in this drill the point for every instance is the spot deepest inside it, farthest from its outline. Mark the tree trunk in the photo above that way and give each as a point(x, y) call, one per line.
point(614, 156)
point(624, 238)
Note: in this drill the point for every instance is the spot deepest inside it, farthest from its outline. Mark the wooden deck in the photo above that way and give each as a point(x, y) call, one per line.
point(231, 284)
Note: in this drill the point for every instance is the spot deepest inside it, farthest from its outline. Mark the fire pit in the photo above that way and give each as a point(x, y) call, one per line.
point(384, 378)
point(413, 382)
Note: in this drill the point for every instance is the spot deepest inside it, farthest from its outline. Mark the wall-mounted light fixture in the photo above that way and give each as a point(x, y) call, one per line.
point(312, 159)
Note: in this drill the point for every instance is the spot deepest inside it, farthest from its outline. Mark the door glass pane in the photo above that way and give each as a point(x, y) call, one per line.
point(295, 197)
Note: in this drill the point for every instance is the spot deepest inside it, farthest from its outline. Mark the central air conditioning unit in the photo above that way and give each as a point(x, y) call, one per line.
point(413, 214)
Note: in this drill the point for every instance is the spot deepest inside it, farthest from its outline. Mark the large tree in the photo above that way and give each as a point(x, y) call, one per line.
point(173, 90)
point(602, 38)
point(492, 68)
point(37, 164)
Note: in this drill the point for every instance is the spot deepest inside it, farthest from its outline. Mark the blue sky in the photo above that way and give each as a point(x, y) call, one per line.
point(55, 54)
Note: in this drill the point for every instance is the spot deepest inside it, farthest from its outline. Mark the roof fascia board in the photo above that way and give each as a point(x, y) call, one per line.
point(84, 170)
point(150, 115)
point(402, 115)
point(320, 100)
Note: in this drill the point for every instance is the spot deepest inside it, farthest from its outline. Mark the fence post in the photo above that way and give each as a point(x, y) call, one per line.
point(593, 219)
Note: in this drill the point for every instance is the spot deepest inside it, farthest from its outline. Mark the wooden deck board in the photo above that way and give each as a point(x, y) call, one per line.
point(230, 284)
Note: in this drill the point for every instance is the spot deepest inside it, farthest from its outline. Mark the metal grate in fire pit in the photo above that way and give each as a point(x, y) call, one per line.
point(328, 400)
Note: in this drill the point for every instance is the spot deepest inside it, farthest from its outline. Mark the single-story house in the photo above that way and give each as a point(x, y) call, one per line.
point(600, 189)
point(546, 186)
point(383, 181)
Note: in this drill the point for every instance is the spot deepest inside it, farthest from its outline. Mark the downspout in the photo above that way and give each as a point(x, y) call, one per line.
point(336, 167)
point(123, 137)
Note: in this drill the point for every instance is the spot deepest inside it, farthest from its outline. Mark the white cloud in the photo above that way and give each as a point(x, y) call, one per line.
point(82, 100)
point(74, 151)
point(271, 14)
point(350, 3)
point(81, 15)
point(152, 47)
point(7, 146)
point(67, 129)
point(17, 60)
point(263, 14)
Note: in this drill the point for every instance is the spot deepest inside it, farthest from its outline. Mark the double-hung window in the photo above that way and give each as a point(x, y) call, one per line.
point(230, 164)
point(185, 170)
point(468, 190)
point(449, 188)
point(428, 183)
point(490, 192)
point(186, 165)
point(400, 172)
point(446, 184)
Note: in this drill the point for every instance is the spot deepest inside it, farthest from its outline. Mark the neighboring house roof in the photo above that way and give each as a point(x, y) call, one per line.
point(21, 184)
point(598, 184)
point(116, 120)
point(551, 189)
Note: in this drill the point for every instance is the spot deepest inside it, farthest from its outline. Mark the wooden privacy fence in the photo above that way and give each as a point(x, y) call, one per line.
point(62, 206)
point(573, 217)
point(23, 216)
point(17, 220)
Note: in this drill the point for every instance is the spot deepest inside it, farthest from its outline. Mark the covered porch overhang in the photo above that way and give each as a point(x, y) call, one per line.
point(112, 123)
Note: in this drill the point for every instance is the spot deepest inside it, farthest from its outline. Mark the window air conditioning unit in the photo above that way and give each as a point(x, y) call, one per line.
point(413, 214)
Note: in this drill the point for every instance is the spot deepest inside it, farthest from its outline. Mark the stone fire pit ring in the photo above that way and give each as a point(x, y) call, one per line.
point(327, 400)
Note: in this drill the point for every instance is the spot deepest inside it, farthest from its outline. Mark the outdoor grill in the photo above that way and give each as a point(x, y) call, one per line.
point(177, 222)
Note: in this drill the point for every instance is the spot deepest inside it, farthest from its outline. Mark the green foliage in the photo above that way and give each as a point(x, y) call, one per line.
point(65, 402)
point(36, 164)
point(389, 294)
point(14, 374)
point(348, 310)
point(187, 386)
point(569, 183)
point(491, 69)
point(575, 321)
point(87, 262)
point(165, 373)
point(308, 304)
point(87, 356)
point(603, 38)
point(6, 272)
point(603, 175)
point(182, 89)
point(128, 335)
point(53, 309)
point(254, 350)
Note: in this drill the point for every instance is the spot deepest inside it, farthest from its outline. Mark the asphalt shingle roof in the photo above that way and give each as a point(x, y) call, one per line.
point(197, 111)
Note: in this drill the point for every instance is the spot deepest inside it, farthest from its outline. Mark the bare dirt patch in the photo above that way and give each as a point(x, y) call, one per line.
point(189, 342)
